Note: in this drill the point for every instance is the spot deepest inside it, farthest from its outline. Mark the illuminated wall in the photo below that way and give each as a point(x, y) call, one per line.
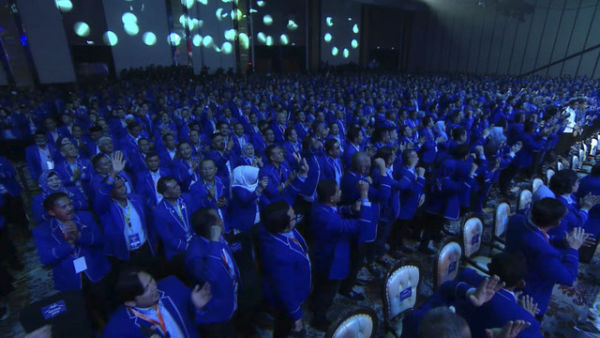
point(340, 31)
point(137, 32)
point(47, 41)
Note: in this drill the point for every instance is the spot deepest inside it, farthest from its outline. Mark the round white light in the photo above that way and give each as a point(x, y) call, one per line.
point(182, 19)
point(82, 29)
point(329, 21)
point(187, 3)
point(244, 40)
point(131, 28)
point(174, 39)
point(355, 29)
point(207, 41)
point(149, 38)
point(262, 38)
point(346, 53)
point(292, 25)
point(269, 41)
point(128, 18)
point(354, 43)
point(268, 20)
point(261, 3)
point(110, 38)
point(227, 47)
point(230, 34)
point(218, 13)
point(197, 40)
point(327, 37)
point(204, 2)
point(64, 5)
point(334, 51)
point(283, 39)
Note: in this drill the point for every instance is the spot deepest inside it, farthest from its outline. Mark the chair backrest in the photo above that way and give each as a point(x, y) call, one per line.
point(593, 147)
point(472, 231)
point(549, 174)
point(501, 219)
point(559, 166)
point(400, 290)
point(574, 162)
point(359, 323)
point(524, 200)
point(583, 152)
point(536, 183)
point(447, 263)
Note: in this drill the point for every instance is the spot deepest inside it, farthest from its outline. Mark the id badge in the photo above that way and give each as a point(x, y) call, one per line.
point(134, 241)
point(50, 165)
point(80, 264)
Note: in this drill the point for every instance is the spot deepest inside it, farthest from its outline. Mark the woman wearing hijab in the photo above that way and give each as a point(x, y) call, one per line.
point(51, 183)
point(245, 192)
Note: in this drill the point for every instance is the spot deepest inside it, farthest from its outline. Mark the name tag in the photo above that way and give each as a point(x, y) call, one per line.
point(134, 241)
point(475, 239)
point(452, 267)
point(54, 309)
point(80, 264)
point(50, 165)
point(405, 294)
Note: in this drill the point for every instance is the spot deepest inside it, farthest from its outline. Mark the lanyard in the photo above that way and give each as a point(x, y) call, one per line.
point(181, 218)
point(127, 214)
point(225, 259)
point(161, 322)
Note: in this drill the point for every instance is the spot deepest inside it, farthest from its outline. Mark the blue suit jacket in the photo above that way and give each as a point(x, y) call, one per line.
point(174, 296)
point(66, 174)
point(546, 265)
point(205, 261)
point(287, 271)
point(332, 235)
point(590, 184)
point(80, 203)
point(144, 186)
point(242, 208)
point(113, 221)
point(56, 252)
point(32, 157)
point(170, 228)
point(411, 189)
point(181, 171)
point(349, 151)
point(276, 179)
point(574, 218)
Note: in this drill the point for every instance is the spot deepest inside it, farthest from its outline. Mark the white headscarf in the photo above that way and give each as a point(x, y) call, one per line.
point(245, 177)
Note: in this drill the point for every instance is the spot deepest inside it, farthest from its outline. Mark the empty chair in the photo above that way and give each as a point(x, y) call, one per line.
point(536, 183)
point(399, 295)
point(575, 163)
point(559, 166)
point(593, 147)
point(500, 223)
point(359, 323)
point(549, 174)
point(524, 200)
point(447, 263)
point(472, 233)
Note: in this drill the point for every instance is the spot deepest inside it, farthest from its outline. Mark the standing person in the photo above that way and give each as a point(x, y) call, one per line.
point(286, 266)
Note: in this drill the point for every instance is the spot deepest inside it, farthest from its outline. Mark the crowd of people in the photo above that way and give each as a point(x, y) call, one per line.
point(167, 198)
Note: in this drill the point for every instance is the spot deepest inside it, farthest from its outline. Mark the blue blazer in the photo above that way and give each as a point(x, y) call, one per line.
point(32, 157)
point(379, 191)
point(173, 232)
point(591, 184)
point(242, 208)
point(8, 177)
point(349, 151)
point(546, 265)
point(332, 235)
point(574, 218)
point(113, 221)
point(181, 171)
point(286, 267)
point(174, 296)
point(205, 261)
point(200, 192)
point(411, 190)
point(443, 197)
point(80, 203)
point(56, 252)
point(221, 163)
point(328, 169)
point(66, 174)
point(144, 186)
point(531, 144)
point(276, 179)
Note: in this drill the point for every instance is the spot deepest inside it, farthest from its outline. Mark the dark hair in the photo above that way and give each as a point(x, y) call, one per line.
point(52, 198)
point(202, 220)
point(563, 181)
point(330, 143)
point(440, 322)
point(269, 150)
point(275, 217)
point(96, 159)
point(161, 185)
point(326, 189)
point(353, 133)
point(94, 129)
point(288, 132)
point(547, 212)
point(132, 124)
point(405, 155)
point(151, 155)
point(356, 158)
point(182, 142)
point(39, 133)
point(167, 135)
point(458, 132)
point(511, 267)
point(460, 151)
point(385, 153)
point(128, 285)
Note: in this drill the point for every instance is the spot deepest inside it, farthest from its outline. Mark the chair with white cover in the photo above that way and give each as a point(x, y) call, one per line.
point(549, 174)
point(501, 216)
point(575, 163)
point(524, 200)
point(593, 147)
point(399, 295)
point(471, 234)
point(536, 183)
point(447, 264)
point(358, 323)
point(559, 166)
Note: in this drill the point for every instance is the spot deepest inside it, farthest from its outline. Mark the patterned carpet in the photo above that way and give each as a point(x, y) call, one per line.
point(566, 313)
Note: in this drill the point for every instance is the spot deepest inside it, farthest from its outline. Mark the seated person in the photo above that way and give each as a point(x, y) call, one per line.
point(50, 183)
point(166, 308)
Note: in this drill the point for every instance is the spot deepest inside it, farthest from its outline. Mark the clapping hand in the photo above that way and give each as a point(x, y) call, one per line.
point(486, 290)
point(510, 330)
point(201, 296)
point(576, 238)
point(529, 305)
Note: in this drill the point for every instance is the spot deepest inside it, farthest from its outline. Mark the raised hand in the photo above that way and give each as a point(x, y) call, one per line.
point(486, 290)
point(510, 330)
point(589, 201)
point(529, 305)
point(118, 162)
point(363, 187)
point(576, 238)
point(201, 296)
point(303, 167)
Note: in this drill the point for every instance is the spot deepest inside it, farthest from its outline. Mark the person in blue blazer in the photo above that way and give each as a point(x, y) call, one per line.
point(166, 308)
point(355, 138)
point(284, 184)
point(220, 154)
point(186, 166)
point(286, 265)
point(332, 236)
point(40, 156)
point(547, 265)
point(103, 167)
point(147, 180)
point(330, 163)
point(246, 190)
point(590, 185)
point(210, 259)
point(50, 183)
point(211, 191)
point(291, 145)
point(71, 244)
point(171, 217)
point(75, 170)
point(124, 219)
point(410, 183)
